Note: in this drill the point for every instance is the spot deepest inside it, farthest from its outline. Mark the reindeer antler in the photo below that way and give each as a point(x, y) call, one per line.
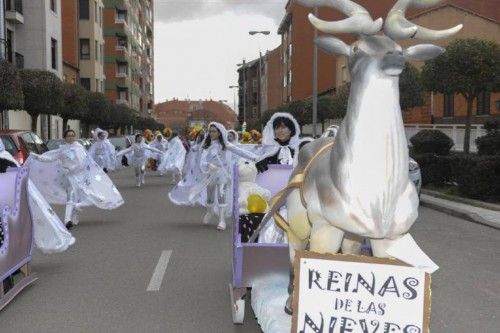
point(398, 27)
point(359, 20)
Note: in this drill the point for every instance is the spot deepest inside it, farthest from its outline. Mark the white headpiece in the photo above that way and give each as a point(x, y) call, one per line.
point(268, 133)
point(97, 131)
point(221, 129)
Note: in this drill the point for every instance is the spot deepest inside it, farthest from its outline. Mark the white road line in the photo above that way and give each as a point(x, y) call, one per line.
point(159, 273)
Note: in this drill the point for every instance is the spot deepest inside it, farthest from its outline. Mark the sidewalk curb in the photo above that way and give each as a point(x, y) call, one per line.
point(476, 203)
point(460, 213)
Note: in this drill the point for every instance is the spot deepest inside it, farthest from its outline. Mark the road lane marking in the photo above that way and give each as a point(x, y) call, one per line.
point(159, 273)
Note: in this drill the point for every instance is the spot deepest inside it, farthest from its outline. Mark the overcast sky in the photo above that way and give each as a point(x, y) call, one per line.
point(199, 43)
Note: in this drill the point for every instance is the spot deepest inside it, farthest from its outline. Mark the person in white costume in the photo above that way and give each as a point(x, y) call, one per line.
point(139, 156)
point(103, 151)
point(69, 176)
point(161, 144)
point(174, 158)
point(49, 233)
point(280, 141)
point(217, 165)
point(232, 137)
point(191, 175)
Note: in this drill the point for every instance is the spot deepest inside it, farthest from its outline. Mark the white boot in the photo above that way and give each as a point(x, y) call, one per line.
point(208, 215)
point(138, 179)
point(142, 178)
point(222, 219)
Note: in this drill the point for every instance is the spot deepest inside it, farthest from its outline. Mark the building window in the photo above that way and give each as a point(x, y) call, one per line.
point(254, 112)
point(83, 9)
point(483, 103)
point(85, 49)
point(8, 47)
point(122, 69)
point(122, 94)
point(53, 50)
point(85, 82)
point(96, 50)
point(122, 15)
point(449, 105)
point(97, 87)
point(53, 5)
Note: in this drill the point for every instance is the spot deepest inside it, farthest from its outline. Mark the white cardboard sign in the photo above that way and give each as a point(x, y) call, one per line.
point(356, 294)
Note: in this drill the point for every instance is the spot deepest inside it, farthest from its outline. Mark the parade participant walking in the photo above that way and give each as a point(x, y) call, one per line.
point(49, 233)
point(103, 151)
point(174, 158)
point(138, 153)
point(68, 175)
point(216, 166)
point(192, 174)
point(161, 144)
point(280, 141)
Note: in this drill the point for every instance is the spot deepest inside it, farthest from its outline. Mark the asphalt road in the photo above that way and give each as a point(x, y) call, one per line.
point(100, 284)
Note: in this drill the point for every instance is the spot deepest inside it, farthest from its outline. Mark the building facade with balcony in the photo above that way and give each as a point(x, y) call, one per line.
point(34, 34)
point(249, 82)
point(128, 53)
point(91, 45)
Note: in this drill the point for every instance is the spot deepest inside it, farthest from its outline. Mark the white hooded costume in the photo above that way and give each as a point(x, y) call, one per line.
point(175, 157)
point(68, 175)
point(103, 151)
point(138, 154)
point(216, 165)
point(287, 153)
point(49, 233)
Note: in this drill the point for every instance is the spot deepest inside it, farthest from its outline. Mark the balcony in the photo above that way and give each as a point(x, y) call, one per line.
point(14, 11)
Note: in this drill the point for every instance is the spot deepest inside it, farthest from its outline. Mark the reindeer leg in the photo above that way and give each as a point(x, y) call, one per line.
point(352, 244)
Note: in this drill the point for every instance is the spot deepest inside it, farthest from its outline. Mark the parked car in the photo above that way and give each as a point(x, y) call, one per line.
point(414, 168)
point(53, 144)
point(21, 143)
point(120, 143)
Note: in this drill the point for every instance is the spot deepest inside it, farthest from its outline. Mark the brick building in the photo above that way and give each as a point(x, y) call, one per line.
point(128, 60)
point(183, 114)
point(295, 62)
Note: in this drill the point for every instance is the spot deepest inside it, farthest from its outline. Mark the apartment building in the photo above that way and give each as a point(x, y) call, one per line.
point(34, 40)
point(128, 53)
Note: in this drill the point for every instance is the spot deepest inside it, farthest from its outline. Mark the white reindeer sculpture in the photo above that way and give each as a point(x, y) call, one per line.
point(358, 187)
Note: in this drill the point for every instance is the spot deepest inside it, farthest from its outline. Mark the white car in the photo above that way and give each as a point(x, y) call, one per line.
point(414, 168)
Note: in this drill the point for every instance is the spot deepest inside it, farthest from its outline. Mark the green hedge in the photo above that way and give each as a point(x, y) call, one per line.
point(430, 141)
point(477, 177)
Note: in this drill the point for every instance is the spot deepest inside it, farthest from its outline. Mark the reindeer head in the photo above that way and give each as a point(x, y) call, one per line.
point(379, 51)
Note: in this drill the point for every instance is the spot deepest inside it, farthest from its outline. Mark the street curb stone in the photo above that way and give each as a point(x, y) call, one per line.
point(460, 213)
point(476, 203)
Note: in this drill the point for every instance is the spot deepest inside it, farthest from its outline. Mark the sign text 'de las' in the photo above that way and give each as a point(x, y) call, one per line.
point(343, 293)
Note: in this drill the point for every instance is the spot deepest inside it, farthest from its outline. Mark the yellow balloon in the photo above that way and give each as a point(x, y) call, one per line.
point(256, 204)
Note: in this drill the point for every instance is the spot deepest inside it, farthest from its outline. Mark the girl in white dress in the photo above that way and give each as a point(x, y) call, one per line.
point(138, 153)
point(68, 175)
point(103, 151)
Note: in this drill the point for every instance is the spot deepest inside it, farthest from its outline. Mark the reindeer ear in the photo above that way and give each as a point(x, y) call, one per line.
point(333, 45)
point(422, 52)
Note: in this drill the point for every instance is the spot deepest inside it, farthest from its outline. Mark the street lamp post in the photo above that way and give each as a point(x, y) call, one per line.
point(234, 95)
point(259, 95)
